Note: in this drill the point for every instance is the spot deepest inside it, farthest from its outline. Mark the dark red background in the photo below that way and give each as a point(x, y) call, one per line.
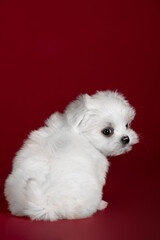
point(51, 51)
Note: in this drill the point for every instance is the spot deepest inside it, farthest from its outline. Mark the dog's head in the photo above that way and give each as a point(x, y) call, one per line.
point(104, 119)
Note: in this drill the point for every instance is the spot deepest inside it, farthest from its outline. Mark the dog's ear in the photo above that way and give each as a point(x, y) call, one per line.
point(76, 111)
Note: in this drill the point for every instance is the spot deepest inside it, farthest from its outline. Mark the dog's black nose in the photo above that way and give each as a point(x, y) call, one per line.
point(125, 140)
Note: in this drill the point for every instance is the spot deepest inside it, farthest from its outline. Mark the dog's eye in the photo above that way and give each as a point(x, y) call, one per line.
point(127, 125)
point(108, 131)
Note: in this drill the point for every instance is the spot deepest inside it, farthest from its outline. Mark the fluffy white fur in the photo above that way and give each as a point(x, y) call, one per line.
point(60, 171)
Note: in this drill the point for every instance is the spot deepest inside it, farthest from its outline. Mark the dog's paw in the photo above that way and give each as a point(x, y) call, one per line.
point(103, 204)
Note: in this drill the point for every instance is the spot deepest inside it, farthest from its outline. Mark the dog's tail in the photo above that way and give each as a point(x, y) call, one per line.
point(36, 206)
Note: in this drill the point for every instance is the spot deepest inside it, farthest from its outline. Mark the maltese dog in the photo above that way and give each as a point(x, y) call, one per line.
point(60, 171)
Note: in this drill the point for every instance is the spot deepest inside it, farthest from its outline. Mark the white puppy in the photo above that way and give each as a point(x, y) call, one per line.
point(60, 171)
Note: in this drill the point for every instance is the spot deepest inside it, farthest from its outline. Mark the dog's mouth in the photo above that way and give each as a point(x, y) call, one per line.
point(128, 148)
point(121, 149)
